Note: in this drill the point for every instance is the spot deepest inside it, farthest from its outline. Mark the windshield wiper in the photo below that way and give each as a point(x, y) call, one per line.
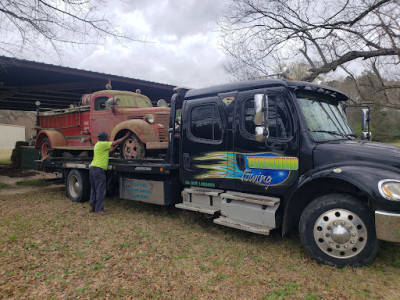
point(351, 135)
point(330, 132)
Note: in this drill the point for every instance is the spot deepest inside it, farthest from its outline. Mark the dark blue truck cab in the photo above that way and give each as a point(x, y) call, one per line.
point(270, 155)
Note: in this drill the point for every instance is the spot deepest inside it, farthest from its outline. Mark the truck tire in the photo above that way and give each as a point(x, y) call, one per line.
point(339, 230)
point(132, 147)
point(44, 148)
point(78, 186)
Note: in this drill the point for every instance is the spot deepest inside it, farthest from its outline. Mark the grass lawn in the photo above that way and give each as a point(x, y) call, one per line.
point(395, 143)
point(3, 185)
point(53, 248)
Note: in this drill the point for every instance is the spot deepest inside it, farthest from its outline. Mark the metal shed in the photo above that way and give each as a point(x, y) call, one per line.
point(23, 82)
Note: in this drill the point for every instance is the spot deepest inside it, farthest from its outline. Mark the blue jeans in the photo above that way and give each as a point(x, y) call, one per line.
point(97, 178)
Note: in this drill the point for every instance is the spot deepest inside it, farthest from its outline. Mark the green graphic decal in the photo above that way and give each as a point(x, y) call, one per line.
point(267, 169)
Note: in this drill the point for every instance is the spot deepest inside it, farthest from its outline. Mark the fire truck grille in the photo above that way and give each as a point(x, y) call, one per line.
point(162, 119)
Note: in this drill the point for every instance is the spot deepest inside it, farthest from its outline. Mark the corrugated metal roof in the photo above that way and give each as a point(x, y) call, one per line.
point(24, 82)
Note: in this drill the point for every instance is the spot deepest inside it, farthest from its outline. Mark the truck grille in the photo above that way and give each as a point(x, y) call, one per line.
point(162, 119)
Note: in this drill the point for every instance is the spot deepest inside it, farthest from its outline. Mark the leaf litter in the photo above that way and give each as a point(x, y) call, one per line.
point(51, 247)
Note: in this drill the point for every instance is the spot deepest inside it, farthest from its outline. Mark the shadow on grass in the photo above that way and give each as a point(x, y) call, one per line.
point(34, 182)
point(205, 222)
point(389, 255)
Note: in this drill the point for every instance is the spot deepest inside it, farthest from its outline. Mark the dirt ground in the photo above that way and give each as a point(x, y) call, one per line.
point(11, 176)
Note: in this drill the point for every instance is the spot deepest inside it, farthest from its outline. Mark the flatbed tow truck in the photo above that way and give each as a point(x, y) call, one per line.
point(265, 155)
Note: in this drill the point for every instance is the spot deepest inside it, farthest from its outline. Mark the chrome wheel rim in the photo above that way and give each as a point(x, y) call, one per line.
point(340, 233)
point(74, 186)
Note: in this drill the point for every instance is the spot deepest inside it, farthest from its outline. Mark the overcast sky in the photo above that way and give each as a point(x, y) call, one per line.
point(182, 49)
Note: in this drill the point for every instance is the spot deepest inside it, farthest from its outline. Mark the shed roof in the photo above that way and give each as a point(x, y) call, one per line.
point(24, 82)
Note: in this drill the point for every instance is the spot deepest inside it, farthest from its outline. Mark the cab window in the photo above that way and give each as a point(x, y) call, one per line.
point(100, 103)
point(206, 123)
point(279, 124)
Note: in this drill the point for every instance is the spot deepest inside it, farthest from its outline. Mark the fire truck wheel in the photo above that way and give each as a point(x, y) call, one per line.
point(45, 148)
point(132, 147)
point(78, 186)
point(339, 230)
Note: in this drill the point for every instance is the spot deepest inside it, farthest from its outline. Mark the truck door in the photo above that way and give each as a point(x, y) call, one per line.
point(204, 141)
point(101, 116)
point(271, 166)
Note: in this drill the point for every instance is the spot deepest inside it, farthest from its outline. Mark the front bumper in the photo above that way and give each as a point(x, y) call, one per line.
point(387, 225)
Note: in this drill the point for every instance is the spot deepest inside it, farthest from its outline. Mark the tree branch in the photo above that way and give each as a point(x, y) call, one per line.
point(349, 56)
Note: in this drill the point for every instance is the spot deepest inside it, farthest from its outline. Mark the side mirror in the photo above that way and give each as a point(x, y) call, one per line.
point(112, 102)
point(259, 134)
point(365, 119)
point(258, 109)
point(366, 136)
point(162, 103)
point(260, 117)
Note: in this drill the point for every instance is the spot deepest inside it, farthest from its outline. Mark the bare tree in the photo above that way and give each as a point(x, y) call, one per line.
point(324, 33)
point(34, 24)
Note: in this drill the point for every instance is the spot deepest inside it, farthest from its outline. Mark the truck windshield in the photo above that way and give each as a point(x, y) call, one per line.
point(325, 117)
point(133, 101)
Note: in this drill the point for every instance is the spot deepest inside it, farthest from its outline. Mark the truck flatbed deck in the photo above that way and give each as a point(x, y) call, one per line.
point(135, 166)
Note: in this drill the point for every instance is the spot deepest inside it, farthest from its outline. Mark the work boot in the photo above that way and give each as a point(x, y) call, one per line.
point(101, 213)
point(91, 208)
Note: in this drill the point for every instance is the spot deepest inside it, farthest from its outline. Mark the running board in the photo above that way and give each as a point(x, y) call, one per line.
point(243, 225)
point(197, 208)
point(250, 198)
point(203, 200)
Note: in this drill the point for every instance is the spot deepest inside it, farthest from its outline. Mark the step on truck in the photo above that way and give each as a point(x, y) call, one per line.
point(266, 155)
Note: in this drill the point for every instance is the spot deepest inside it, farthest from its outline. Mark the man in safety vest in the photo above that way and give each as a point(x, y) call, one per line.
point(97, 170)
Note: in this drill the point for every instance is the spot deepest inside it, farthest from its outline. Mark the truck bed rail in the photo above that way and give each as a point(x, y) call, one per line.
point(138, 166)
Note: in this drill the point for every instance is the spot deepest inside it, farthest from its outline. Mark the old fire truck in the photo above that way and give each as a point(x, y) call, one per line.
point(74, 130)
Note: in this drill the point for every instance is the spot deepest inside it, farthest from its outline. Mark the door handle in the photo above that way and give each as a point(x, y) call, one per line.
point(186, 160)
point(240, 162)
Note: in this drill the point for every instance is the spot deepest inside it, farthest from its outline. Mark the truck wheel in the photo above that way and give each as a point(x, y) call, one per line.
point(132, 148)
point(339, 230)
point(78, 186)
point(45, 148)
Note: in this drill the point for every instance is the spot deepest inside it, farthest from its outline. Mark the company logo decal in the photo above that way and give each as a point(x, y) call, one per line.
point(266, 169)
point(228, 100)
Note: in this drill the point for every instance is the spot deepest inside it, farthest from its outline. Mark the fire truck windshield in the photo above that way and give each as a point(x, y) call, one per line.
point(133, 101)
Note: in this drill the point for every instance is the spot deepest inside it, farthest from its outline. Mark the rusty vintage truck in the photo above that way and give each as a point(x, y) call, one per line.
point(75, 129)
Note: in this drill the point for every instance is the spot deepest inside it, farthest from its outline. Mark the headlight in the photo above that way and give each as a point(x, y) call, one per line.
point(149, 118)
point(390, 189)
